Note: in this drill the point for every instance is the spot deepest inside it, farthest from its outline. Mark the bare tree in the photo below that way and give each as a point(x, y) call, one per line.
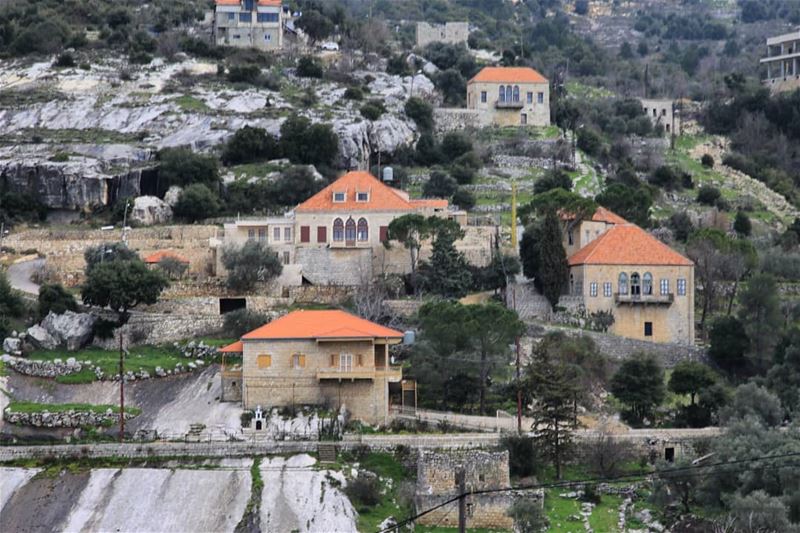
point(606, 454)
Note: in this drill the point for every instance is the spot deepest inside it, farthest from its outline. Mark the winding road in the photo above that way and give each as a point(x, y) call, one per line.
point(19, 276)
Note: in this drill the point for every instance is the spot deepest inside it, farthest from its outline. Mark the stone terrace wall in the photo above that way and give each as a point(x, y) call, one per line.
point(453, 119)
point(64, 249)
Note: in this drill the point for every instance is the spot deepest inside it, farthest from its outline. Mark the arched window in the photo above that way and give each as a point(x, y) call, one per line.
point(350, 230)
point(623, 283)
point(516, 93)
point(502, 93)
point(338, 230)
point(363, 229)
point(636, 288)
point(647, 284)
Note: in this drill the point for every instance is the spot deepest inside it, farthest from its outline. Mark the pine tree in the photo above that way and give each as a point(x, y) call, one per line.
point(447, 274)
point(554, 387)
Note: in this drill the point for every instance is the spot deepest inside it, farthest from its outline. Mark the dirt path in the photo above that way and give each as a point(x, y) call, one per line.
point(19, 275)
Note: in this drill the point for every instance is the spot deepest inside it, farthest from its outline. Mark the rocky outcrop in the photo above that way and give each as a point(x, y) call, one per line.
point(12, 345)
point(70, 330)
point(358, 140)
point(41, 338)
point(172, 195)
point(66, 419)
point(150, 210)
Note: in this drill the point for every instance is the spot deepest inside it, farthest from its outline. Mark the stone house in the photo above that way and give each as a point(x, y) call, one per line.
point(337, 236)
point(617, 266)
point(661, 113)
point(449, 32)
point(510, 96)
point(782, 62)
point(249, 24)
point(329, 358)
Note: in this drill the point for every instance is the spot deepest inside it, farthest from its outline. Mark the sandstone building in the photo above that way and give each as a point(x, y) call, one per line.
point(249, 24)
point(617, 266)
point(510, 96)
point(327, 358)
point(337, 236)
point(782, 62)
point(449, 32)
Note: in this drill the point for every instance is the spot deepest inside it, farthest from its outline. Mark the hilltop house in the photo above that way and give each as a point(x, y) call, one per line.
point(783, 62)
point(661, 113)
point(337, 235)
point(449, 32)
point(327, 358)
point(249, 24)
point(619, 267)
point(510, 96)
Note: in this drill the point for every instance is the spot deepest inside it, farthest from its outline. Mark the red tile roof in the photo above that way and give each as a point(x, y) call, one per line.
point(601, 215)
point(381, 196)
point(508, 75)
point(263, 3)
point(236, 347)
point(332, 324)
point(627, 244)
point(161, 254)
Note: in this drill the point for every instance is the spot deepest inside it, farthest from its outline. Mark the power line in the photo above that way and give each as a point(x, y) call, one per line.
point(631, 477)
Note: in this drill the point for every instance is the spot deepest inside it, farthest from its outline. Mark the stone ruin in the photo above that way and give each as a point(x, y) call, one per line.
point(437, 482)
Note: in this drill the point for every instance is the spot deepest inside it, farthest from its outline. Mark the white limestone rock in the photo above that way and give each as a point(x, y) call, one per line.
point(12, 345)
point(149, 210)
point(172, 195)
point(40, 338)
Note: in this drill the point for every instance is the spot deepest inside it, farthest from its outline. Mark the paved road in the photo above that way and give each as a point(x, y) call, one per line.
point(19, 276)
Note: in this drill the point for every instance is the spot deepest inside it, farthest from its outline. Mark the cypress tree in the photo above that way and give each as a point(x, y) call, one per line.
point(553, 267)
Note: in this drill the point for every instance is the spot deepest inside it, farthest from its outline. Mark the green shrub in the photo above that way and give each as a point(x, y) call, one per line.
point(244, 74)
point(353, 93)
point(708, 195)
point(373, 110)
point(364, 490)
point(707, 161)
point(237, 323)
point(64, 60)
point(309, 67)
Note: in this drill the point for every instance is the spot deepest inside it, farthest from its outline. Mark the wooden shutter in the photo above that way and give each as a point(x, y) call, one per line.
point(302, 360)
point(359, 360)
point(264, 361)
point(384, 233)
point(322, 234)
point(334, 360)
point(305, 234)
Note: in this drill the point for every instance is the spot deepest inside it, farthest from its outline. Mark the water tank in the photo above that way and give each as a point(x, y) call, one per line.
point(409, 337)
point(388, 174)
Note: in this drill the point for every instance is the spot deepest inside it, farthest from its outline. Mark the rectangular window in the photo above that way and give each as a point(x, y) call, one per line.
point(264, 361)
point(267, 17)
point(286, 258)
point(663, 112)
point(648, 329)
point(483, 97)
point(334, 360)
point(245, 17)
point(540, 98)
point(262, 234)
point(593, 289)
point(287, 234)
point(681, 287)
point(251, 234)
point(362, 197)
point(231, 16)
point(578, 288)
point(305, 234)
point(339, 197)
point(607, 290)
point(268, 37)
point(322, 234)
point(298, 361)
point(384, 233)
point(276, 234)
point(530, 98)
point(664, 287)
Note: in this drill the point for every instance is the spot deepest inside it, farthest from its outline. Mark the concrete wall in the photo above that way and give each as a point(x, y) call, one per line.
point(535, 113)
point(245, 34)
point(450, 32)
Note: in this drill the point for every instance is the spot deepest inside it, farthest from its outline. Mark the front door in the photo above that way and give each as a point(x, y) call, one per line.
point(523, 119)
point(346, 362)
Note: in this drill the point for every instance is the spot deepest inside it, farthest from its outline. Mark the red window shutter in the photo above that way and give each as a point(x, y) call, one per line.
point(305, 234)
point(384, 233)
point(322, 234)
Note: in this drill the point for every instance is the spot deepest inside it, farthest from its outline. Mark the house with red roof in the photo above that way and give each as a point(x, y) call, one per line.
point(618, 267)
point(329, 358)
point(249, 24)
point(510, 96)
point(337, 236)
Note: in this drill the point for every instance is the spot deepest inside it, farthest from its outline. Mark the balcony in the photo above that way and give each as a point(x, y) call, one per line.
point(644, 299)
point(519, 104)
point(391, 373)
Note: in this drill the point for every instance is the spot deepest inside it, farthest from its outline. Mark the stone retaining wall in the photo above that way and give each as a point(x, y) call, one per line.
point(42, 369)
point(69, 419)
point(452, 119)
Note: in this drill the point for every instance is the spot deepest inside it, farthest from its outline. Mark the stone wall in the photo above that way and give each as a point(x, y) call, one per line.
point(69, 419)
point(449, 32)
point(42, 369)
point(157, 329)
point(402, 308)
point(455, 118)
point(332, 266)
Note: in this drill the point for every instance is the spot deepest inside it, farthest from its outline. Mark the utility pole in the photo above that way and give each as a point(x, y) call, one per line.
point(121, 389)
point(514, 215)
point(462, 499)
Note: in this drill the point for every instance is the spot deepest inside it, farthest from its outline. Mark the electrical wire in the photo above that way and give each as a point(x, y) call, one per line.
point(666, 473)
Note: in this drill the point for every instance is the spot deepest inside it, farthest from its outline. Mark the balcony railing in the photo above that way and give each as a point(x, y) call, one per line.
point(644, 299)
point(392, 373)
point(509, 104)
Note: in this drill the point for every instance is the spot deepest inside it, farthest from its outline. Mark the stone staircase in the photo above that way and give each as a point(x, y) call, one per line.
point(326, 452)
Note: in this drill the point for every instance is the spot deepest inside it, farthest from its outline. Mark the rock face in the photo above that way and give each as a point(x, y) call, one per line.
point(357, 140)
point(172, 195)
point(12, 345)
point(70, 330)
point(149, 210)
point(41, 338)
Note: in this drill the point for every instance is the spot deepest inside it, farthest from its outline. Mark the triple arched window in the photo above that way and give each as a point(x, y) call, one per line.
point(509, 93)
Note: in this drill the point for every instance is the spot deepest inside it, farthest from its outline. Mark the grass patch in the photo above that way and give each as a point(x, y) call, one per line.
point(385, 465)
point(605, 517)
point(92, 135)
point(33, 407)
point(145, 358)
point(254, 170)
point(580, 91)
point(190, 103)
point(559, 510)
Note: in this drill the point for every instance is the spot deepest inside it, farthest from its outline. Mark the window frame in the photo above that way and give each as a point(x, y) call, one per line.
point(337, 194)
point(664, 286)
point(362, 230)
point(682, 286)
point(622, 283)
point(647, 284)
point(484, 97)
point(358, 197)
point(338, 230)
point(593, 289)
point(608, 289)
